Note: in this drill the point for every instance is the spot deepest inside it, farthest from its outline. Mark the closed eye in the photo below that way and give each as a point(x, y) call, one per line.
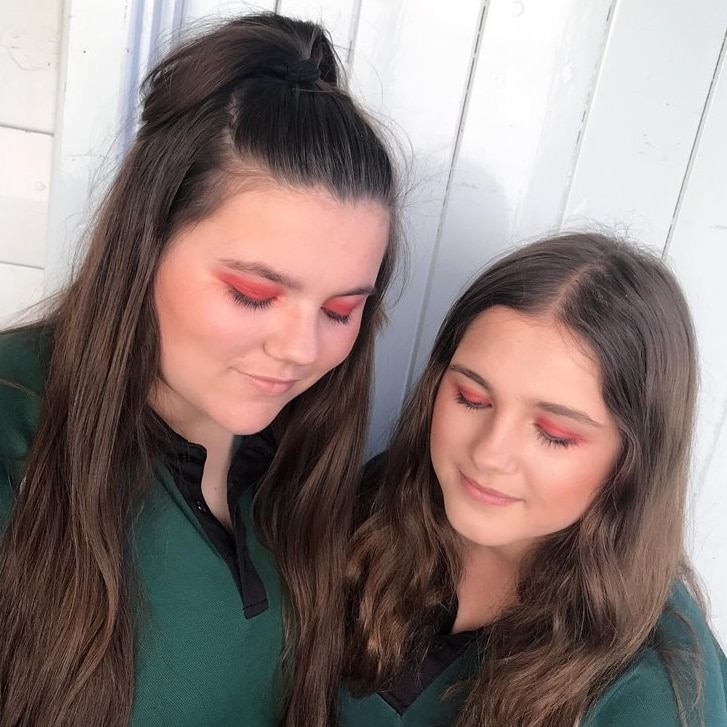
point(470, 399)
point(552, 441)
point(337, 317)
point(340, 310)
point(249, 302)
point(554, 435)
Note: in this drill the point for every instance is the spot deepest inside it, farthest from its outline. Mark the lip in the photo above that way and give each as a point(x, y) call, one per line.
point(485, 494)
point(268, 385)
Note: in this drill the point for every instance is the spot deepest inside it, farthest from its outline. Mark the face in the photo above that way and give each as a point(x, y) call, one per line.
point(521, 438)
point(258, 301)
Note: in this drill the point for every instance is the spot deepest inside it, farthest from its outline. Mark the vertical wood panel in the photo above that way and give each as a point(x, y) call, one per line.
point(216, 9)
point(92, 103)
point(709, 544)
point(533, 75)
point(698, 254)
point(650, 95)
point(19, 287)
point(411, 65)
point(338, 16)
point(24, 182)
point(29, 39)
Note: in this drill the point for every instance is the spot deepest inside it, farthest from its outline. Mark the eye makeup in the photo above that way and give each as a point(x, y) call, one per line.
point(253, 291)
point(470, 398)
point(340, 309)
point(555, 434)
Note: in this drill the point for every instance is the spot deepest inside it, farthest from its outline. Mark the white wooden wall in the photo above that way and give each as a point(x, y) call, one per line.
point(523, 117)
point(29, 40)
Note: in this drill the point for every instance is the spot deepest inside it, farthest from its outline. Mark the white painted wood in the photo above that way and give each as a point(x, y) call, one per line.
point(24, 182)
point(339, 17)
point(19, 288)
point(646, 108)
point(698, 254)
point(91, 106)
point(709, 546)
point(197, 10)
point(155, 27)
point(410, 66)
point(29, 38)
point(529, 93)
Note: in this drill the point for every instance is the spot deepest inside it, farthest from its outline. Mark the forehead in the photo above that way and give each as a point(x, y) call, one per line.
point(530, 355)
point(298, 231)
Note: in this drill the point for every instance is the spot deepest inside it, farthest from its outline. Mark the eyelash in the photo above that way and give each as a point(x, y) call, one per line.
point(554, 441)
point(241, 299)
point(462, 399)
point(542, 435)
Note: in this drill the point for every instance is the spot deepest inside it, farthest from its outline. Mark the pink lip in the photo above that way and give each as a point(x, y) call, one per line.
point(268, 385)
point(485, 494)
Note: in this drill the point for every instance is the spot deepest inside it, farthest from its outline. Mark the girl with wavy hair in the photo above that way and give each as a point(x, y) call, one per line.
point(519, 560)
point(180, 434)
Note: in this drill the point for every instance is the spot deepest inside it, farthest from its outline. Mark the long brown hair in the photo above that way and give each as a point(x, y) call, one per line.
point(589, 596)
point(219, 113)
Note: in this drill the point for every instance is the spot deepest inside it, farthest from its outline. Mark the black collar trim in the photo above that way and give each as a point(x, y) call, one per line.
point(444, 649)
point(250, 461)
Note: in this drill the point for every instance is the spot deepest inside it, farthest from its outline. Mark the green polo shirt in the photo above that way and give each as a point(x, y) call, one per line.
point(642, 695)
point(207, 615)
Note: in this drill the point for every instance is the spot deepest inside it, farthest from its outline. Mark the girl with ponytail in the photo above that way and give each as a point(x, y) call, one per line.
point(179, 436)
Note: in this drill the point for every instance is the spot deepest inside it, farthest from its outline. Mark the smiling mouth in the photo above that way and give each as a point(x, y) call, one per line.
point(485, 494)
point(268, 385)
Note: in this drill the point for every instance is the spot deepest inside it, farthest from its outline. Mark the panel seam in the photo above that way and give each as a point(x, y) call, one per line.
point(695, 148)
point(587, 112)
point(447, 190)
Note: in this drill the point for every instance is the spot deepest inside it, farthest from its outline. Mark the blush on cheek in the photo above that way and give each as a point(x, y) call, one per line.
point(346, 341)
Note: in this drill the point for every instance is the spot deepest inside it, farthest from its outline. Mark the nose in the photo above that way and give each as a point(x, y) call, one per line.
point(494, 448)
point(293, 338)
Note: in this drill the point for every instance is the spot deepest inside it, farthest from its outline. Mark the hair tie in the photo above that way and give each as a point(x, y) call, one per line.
point(305, 71)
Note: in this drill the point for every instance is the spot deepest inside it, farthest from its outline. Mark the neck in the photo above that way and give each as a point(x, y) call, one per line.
point(189, 422)
point(488, 585)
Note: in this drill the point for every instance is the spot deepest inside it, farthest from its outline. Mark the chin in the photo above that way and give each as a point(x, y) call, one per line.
point(250, 423)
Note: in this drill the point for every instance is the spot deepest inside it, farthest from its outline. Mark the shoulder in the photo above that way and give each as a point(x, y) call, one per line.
point(24, 354)
point(643, 696)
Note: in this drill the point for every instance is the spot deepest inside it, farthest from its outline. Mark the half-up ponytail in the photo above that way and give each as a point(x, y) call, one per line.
point(219, 114)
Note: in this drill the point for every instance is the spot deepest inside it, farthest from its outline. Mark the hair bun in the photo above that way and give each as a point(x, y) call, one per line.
point(303, 71)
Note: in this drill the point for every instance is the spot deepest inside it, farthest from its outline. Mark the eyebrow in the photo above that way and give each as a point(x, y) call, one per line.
point(470, 374)
point(550, 407)
point(566, 411)
point(275, 276)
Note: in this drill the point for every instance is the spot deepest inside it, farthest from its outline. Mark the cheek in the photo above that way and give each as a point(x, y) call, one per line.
point(337, 343)
point(438, 438)
point(193, 312)
point(570, 489)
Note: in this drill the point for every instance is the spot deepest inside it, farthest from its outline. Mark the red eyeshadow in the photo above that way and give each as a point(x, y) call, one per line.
point(474, 396)
point(344, 306)
point(558, 432)
point(253, 289)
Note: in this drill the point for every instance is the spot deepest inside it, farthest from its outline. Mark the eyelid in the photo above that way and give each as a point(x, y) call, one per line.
point(344, 306)
point(556, 431)
point(257, 290)
point(470, 398)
